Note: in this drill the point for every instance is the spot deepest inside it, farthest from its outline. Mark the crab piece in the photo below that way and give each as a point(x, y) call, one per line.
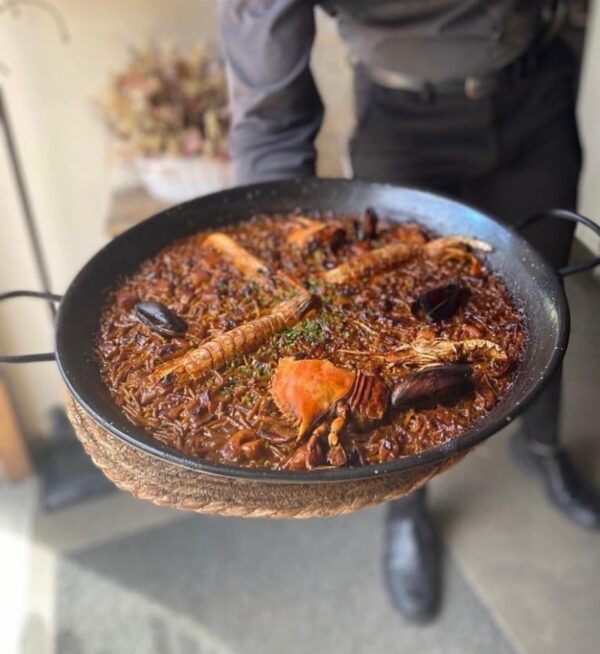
point(306, 390)
point(311, 391)
point(308, 456)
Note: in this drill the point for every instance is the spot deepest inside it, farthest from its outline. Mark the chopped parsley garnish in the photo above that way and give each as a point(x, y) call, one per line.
point(309, 331)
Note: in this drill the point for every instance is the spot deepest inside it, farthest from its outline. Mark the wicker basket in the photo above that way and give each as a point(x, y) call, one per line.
point(168, 484)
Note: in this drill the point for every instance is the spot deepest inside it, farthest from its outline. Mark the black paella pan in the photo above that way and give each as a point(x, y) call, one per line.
point(149, 469)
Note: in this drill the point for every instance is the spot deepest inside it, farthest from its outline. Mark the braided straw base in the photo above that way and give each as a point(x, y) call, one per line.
point(168, 484)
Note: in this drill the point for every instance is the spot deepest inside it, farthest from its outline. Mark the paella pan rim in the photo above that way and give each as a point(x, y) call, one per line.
point(74, 346)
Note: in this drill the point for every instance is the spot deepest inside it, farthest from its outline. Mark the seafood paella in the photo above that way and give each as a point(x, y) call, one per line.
point(301, 342)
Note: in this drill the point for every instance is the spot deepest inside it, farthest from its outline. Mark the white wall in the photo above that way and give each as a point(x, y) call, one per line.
point(50, 90)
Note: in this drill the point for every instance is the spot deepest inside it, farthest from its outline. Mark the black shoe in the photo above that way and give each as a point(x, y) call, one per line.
point(411, 564)
point(564, 486)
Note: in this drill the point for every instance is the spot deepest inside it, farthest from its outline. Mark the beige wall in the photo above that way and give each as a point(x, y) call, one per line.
point(49, 91)
point(589, 110)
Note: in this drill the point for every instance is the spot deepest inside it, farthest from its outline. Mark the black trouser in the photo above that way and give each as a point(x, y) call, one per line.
point(512, 153)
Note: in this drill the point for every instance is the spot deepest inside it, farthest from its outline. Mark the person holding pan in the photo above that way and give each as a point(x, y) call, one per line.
point(471, 98)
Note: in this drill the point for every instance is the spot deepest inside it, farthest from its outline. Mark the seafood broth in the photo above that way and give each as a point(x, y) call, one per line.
point(296, 342)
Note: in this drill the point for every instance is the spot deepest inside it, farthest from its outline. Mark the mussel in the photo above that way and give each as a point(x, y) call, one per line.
point(443, 384)
point(367, 229)
point(440, 303)
point(160, 319)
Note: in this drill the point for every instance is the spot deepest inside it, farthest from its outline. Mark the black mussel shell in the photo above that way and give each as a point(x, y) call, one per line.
point(337, 238)
point(368, 227)
point(440, 303)
point(160, 319)
point(444, 384)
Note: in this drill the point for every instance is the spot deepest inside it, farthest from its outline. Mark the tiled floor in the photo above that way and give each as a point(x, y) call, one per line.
point(119, 575)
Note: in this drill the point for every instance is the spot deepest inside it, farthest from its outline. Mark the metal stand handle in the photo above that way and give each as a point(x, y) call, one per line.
point(564, 214)
point(29, 358)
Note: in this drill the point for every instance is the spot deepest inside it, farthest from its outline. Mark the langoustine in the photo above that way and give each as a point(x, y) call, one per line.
point(243, 260)
point(390, 256)
point(248, 264)
point(217, 353)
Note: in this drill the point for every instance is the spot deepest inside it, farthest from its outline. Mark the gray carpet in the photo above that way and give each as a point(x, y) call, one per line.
point(230, 585)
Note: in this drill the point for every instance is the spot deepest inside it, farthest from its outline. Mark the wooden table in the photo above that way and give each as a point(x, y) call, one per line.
point(15, 463)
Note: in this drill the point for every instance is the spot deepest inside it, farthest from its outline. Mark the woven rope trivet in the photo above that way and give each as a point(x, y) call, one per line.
point(169, 484)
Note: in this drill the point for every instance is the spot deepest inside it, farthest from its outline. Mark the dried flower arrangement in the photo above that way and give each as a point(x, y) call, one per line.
point(169, 103)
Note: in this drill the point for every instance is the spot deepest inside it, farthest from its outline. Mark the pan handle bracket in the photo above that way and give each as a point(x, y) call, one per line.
point(564, 214)
point(29, 358)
